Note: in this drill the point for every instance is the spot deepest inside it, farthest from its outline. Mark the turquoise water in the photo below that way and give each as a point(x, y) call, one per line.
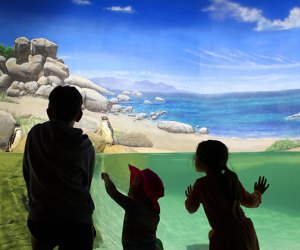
point(245, 115)
point(277, 220)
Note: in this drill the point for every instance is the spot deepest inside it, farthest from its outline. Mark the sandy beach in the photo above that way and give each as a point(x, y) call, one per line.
point(162, 141)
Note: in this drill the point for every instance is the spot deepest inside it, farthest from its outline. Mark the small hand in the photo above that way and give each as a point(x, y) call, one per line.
point(189, 191)
point(261, 185)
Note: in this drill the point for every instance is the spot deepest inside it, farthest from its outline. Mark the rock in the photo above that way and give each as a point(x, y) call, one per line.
point(98, 142)
point(44, 47)
point(22, 49)
point(29, 71)
point(53, 67)
point(44, 90)
point(203, 131)
point(116, 108)
point(85, 83)
point(15, 89)
point(123, 98)
point(292, 117)
point(94, 101)
point(134, 139)
point(128, 109)
point(136, 93)
point(125, 92)
point(153, 117)
point(114, 100)
point(147, 102)
point(55, 81)
point(5, 80)
point(31, 87)
point(2, 65)
point(175, 127)
point(159, 99)
point(43, 80)
point(88, 124)
point(141, 116)
point(7, 128)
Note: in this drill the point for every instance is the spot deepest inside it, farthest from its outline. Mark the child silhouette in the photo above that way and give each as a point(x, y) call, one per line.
point(58, 168)
point(221, 195)
point(141, 208)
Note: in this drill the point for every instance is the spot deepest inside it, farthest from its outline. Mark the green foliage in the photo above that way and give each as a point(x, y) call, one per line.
point(27, 122)
point(283, 145)
point(7, 52)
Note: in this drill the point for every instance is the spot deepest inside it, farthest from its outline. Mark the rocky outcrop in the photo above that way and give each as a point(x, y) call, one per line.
point(28, 71)
point(176, 127)
point(115, 108)
point(31, 87)
point(141, 116)
point(114, 100)
point(54, 67)
point(85, 83)
point(147, 102)
point(134, 139)
point(292, 117)
point(7, 128)
point(22, 49)
point(16, 89)
point(128, 109)
point(44, 47)
point(125, 92)
point(136, 93)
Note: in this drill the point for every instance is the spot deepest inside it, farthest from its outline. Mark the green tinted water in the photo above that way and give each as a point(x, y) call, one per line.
point(277, 220)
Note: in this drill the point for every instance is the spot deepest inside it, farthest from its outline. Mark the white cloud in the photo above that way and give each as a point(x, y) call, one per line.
point(220, 9)
point(82, 2)
point(126, 9)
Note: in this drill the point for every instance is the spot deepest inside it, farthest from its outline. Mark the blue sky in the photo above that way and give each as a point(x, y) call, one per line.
point(206, 46)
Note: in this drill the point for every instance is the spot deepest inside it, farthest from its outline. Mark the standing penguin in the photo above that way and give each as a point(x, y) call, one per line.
point(107, 131)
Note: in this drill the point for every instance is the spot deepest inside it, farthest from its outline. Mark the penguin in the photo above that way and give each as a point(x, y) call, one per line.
point(107, 131)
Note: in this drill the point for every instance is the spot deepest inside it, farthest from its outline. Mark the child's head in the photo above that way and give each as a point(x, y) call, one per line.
point(146, 182)
point(211, 155)
point(65, 104)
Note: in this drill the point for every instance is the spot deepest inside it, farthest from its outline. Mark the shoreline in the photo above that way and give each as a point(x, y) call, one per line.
point(163, 141)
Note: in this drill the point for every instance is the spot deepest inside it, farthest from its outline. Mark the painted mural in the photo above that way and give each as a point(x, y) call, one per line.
point(158, 77)
point(185, 72)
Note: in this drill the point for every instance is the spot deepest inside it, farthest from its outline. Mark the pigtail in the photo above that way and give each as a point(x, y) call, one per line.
point(231, 184)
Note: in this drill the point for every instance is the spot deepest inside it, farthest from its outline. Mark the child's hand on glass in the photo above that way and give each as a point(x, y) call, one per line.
point(189, 191)
point(261, 185)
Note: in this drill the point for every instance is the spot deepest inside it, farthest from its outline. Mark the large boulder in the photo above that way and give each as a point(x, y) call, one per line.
point(95, 102)
point(29, 71)
point(22, 49)
point(2, 64)
point(176, 127)
point(55, 81)
point(134, 139)
point(54, 67)
point(5, 80)
point(85, 83)
point(7, 128)
point(44, 90)
point(88, 124)
point(44, 47)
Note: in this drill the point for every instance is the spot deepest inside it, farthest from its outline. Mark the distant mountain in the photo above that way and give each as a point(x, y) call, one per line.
point(112, 83)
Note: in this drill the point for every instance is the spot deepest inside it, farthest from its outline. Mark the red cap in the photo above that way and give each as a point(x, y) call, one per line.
point(151, 183)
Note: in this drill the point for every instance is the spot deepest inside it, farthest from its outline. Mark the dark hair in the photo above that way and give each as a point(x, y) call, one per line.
point(65, 102)
point(213, 154)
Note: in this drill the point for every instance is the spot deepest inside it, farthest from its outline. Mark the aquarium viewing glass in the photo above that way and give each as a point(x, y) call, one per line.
point(158, 77)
